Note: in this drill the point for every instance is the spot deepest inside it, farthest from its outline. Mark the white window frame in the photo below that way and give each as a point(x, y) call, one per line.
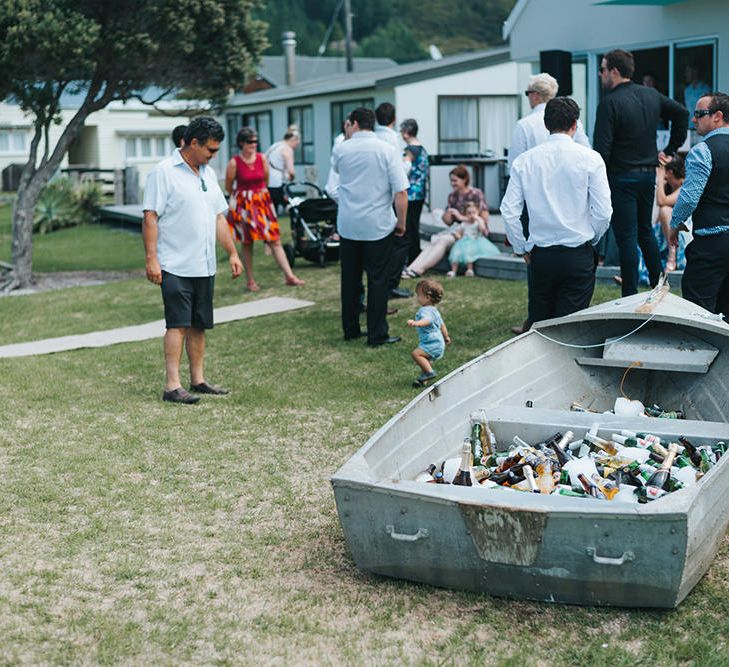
point(156, 141)
point(14, 133)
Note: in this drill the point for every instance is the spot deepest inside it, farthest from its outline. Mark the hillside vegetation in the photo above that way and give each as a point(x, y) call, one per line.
point(398, 29)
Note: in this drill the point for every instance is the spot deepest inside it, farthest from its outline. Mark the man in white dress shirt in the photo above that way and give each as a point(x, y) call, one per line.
point(530, 132)
point(565, 187)
point(371, 177)
point(183, 215)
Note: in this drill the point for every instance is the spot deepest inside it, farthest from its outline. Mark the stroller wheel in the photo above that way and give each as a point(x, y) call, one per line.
point(290, 254)
point(322, 255)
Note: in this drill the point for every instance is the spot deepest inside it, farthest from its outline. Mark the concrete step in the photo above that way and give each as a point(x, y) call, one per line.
point(510, 267)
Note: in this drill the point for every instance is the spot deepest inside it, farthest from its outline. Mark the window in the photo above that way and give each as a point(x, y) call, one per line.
point(147, 147)
point(458, 125)
point(693, 73)
point(13, 141)
point(260, 121)
point(341, 109)
point(303, 118)
point(473, 125)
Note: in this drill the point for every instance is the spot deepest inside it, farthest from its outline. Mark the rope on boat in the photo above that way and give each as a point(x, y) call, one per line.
point(589, 347)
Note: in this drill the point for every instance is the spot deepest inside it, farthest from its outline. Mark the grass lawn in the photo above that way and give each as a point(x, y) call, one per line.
point(140, 532)
point(88, 247)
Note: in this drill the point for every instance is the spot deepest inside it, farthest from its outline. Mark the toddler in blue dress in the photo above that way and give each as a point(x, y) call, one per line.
point(432, 333)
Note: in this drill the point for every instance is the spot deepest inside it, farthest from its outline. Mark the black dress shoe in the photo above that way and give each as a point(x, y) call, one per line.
point(385, 341)
point(400, 293)
point(205, 388)
point(180, 395)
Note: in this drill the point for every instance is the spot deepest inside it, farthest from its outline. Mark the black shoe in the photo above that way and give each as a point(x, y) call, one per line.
point(180, 395)
point(386, 341)
point(400, 293)
point(393, 311)
point(361, 334)
point(205, 388)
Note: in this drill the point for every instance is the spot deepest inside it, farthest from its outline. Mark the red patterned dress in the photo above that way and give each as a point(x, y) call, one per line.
point(253, 218)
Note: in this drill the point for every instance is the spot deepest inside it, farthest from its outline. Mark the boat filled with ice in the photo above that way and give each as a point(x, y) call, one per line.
point(581, 462)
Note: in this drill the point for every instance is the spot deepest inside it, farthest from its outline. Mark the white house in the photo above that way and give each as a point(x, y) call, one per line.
point(464, 104)
point(671, 41)
point(121, 135)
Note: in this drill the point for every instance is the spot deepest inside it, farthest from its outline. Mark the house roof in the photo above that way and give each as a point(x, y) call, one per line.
point(385, 77)
point(521, 5)
point(273, 68)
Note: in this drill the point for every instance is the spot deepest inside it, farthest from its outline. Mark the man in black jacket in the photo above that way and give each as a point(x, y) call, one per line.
point(625, 136)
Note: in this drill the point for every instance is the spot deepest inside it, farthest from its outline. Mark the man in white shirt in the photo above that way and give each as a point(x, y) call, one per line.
point(565, 187)
point(384, 127)
point(530, 130)
point(183, 214)
point(371, 177)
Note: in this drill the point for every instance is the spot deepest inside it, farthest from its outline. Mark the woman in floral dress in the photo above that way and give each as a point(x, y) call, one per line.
point(252, 216)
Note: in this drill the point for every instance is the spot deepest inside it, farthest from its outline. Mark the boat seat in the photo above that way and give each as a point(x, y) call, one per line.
point(657, 349)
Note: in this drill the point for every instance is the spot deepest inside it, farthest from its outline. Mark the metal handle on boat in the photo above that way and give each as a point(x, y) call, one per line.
point(605, 560)
point(404, 537)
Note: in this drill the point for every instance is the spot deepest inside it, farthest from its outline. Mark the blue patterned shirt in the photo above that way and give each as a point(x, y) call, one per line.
point(698, 169)
point(418, 175)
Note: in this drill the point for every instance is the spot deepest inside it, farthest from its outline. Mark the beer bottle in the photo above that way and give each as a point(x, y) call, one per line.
point(609, 489)
point(561, 449)
point(590, 487)
point(661, 476)
point(529, 477)
point(476, 442)
point(692, 452)
point(463, 476)
point(488, 441)
point(545, 477)
point(573, 491)
point(599, 443)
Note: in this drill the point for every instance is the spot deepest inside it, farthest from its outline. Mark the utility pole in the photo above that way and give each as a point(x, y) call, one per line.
point(348, 34)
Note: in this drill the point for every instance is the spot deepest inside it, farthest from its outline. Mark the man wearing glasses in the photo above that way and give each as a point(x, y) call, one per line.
point(183, 214)
point(625, 136)
point(705, 197)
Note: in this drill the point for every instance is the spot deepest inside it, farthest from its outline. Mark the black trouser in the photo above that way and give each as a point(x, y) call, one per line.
point(705, 279)
point(561, 280)
point(632, 198)
point(277, 197)
point(404, 246)
point(372, 257)
point(412, 228)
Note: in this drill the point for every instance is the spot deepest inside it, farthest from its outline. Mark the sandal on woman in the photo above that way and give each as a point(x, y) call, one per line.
point(409, 273)
point(469, 273)
point(451, 274)
point(253, 286)
point(294, 281)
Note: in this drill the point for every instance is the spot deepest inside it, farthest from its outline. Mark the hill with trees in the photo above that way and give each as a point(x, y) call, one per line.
point(397, 29)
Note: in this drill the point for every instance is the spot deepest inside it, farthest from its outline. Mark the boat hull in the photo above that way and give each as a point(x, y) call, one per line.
point(529, 546)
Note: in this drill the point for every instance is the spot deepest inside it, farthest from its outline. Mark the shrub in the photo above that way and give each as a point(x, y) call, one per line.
point(57, 207)
point(89, 196)
point(62, 204)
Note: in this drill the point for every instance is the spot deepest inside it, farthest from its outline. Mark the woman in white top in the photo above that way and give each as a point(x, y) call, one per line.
point(280, 158)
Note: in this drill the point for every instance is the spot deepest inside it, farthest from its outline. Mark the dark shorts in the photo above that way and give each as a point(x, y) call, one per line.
point(188, 301)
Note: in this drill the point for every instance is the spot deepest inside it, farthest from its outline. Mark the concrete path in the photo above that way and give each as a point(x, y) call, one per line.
point(156, 329)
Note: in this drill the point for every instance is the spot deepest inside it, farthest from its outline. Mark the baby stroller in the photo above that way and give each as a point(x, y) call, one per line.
point(313, 224)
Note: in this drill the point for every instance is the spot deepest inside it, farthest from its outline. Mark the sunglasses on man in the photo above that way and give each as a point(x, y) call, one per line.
point(700, 113)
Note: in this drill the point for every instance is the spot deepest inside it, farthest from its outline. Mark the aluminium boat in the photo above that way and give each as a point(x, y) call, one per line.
point(656, 348)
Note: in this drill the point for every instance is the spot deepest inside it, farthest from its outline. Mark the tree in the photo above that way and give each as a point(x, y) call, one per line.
point(394, 40)
point(111, 51)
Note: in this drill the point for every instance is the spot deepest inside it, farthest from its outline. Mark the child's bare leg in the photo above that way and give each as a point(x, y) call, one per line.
point(421, 358)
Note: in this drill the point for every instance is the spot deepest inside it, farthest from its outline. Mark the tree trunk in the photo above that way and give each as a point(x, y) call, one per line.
point(23, 213)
